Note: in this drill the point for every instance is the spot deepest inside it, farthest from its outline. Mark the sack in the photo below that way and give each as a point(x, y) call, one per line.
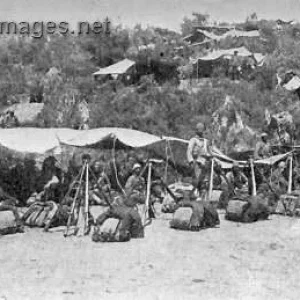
point(211, 216)
point(8, 223)
point(249, 211)
point(182, 218)
point(235, 210)
point(110, 231)
point(255, 212)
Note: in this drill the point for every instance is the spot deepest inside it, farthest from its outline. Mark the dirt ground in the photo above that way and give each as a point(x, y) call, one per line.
point(235, 261)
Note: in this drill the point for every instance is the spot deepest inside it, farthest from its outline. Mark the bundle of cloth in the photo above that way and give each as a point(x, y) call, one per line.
point(194, 215)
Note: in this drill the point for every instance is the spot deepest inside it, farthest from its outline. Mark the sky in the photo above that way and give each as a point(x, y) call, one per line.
point(163, 13)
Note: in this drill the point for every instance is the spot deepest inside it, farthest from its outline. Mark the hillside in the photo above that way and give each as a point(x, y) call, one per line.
point(57, 71)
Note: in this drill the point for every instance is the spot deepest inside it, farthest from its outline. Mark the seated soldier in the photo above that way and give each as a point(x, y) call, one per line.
point(103, 184)
point(237, 179)
point(135, 187)
point(48, 183)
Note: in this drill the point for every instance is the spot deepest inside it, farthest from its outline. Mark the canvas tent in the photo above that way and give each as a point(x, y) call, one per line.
point(50, 141)
point(205, 64)
point(119, 68)
point(53, 141)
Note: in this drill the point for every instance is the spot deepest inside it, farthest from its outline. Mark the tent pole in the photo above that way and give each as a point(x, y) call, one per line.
point(148, 192)
point(253, 178)
point(290, 175)
point(211, 182)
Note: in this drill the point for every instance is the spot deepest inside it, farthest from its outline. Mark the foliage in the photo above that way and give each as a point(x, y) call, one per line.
point(58, 69)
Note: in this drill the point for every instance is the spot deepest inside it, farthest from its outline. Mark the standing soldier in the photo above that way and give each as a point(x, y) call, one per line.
point(235, 66)
point(197, 155)
point(263, 147)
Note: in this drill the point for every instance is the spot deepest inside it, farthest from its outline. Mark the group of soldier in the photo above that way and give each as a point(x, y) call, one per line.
point(133, 190)
point(237, 178)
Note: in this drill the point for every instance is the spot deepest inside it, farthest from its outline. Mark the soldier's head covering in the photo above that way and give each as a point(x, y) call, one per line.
point(235, 165)
point(200, 127)
point(263, 135)
point(136, 166)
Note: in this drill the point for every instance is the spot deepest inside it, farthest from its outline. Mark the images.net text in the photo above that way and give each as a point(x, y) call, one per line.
point(40, 29)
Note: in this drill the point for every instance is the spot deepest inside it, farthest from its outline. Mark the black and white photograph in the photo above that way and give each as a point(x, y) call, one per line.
point(149, 150)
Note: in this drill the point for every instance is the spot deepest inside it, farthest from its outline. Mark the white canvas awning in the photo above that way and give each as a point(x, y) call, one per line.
point(48, 141)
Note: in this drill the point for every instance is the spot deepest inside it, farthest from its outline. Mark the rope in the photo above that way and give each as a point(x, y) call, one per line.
point(115, 166)
point(173, 158)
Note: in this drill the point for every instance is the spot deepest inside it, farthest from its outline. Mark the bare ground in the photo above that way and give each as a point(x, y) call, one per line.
point(236, 261)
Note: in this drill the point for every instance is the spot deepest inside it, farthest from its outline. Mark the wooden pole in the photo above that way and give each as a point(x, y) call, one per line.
point(148, 192)
point(86, 209)
point(290, 175)
point(211, 181)
point(253, 178)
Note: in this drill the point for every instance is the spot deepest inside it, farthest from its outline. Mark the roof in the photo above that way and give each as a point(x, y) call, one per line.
point(242, 51)
point(209, 35)
point(120, 67)
point(231, 33)
point(241, 33)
